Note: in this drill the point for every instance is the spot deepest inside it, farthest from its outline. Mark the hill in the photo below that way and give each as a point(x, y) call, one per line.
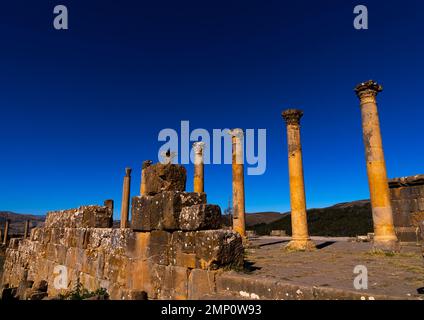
point(253, 219)
point(343, 219)
point(17, 221)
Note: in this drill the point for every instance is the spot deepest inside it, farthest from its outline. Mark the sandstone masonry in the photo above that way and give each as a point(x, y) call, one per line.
point(174, 241)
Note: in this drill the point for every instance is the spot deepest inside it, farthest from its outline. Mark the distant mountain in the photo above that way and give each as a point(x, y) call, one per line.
point(17, 221)
point(344, 219)
point(256, 218)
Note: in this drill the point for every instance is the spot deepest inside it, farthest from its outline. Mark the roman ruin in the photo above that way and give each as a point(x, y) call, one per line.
point(26, 229)
point(145, 165)
point(300, 236)
point(173, 250)
point(239, 224)
point(174, 246)
point(385, 237)
point(407, 199)
point(198, 167)
point(6, 232)
point(125, 198)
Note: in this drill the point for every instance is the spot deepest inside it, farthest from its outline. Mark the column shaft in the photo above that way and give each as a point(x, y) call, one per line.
point(384, 232)
point(6, 232)
point(198, 183)
point(26, 229)
point(300, 236)
point(239, 224)
point(126, 199)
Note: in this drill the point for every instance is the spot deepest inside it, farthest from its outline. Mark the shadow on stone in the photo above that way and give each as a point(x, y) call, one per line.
point(271, 243)
point(325, 244)
point(249, 266)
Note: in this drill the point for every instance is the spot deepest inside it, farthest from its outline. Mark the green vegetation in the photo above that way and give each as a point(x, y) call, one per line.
point(80, 293)
point(337, 221)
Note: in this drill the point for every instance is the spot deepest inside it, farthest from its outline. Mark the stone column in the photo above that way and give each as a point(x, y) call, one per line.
point(6, 231)
point(384, 232)
point(198, 182)
point(145, 165)
point(238, 181)
point(26, 229)
point(125, 198)
point(300, 237)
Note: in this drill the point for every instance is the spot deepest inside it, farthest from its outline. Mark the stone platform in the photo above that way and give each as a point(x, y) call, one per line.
point(326, 273)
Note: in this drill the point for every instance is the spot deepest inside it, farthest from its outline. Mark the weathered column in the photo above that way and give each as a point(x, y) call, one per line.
point(238, 181)
point(384, 231)
point(300, 237)
point(26, 229)
point(145, 165)
point(125, 198)
point(198, 167)
point(6, 231)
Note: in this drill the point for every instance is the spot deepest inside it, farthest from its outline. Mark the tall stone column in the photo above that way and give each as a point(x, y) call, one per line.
point(26, 230)
point(300, 237)
point(126, 198)
point(198, 182)
point(384, 232)
point(6, 231)
point(239, 224)
point(145, 165)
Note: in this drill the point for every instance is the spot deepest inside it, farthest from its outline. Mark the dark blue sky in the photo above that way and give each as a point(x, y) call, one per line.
point(78, 106)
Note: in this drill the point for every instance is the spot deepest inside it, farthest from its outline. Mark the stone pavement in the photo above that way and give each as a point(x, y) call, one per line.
point(332, 265)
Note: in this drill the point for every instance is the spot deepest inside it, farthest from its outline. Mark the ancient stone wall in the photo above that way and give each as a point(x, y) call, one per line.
point(171, 252)
point(407, 197)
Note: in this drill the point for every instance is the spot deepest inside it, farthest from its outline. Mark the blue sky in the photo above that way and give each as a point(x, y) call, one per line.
point(78, 106)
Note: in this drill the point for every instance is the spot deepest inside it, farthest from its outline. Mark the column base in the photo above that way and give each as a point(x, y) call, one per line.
point(386, 244)
point(300, 245)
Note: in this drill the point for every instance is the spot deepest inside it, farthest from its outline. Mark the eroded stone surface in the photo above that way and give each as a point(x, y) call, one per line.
point(85, 216)
point(162, 211)
point(200, 217)
point(164, 177)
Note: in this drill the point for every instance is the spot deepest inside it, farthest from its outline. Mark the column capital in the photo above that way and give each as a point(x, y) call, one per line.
point(292, 116)
point(368, 89)
point(128, 172)
point(237, 132)
point(146, 164)
point(198, 147)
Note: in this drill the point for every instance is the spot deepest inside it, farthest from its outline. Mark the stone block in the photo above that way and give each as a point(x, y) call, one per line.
point(159, 245)
point(182, 249)
point(162, 211)
point(200, 217)
point(201, 283)
point(219, 248)
point(262, 288)
point(74, 258)
point(420, 203)
point(170, 282)
point(57, 235)
point(141, 247)
point(165, 177)
point(14, 243)
point(142, 277)
point(82, 217)
point(116, 267)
